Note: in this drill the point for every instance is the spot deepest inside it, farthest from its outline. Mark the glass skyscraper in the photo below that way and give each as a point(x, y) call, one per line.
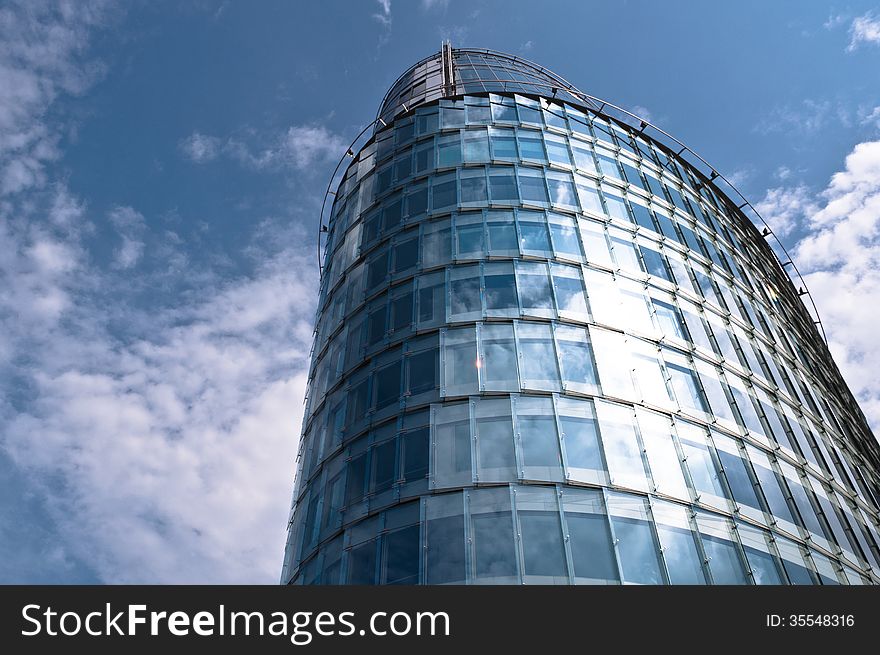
point(551, 348)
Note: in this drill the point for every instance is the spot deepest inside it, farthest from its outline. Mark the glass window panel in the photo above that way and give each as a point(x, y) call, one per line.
point(378, 270)
point(502, 185)
point(736, 470)
point(714, 389)
point(539, 443)
point(655, 263)
point(643, 216)
point(680, 550)
point(557, 149)
point(657, 435)
point(531, 145)
point(431, 310)
point(580, 436)
point(500, 290)
point(608, 164)
point(725, 562)
point(669, 319)
point(476, 144)
point(795, 561)
point(533, 186)
point(464, 293)
point(444, 539)
point(829, 572)
point(772, 488)
point(534, 235)
point(537, 358)
point(499, 357)
point(528, 114)
point(623, 452)
point(583, 156)
point(448, 150)
point(356, 479)
point(451, 445)
point(588, 196)
point(503, 143)
point(649, 376)
point(436, 243)
point(562, 190)
point(376, 324)
point(503, 241)
point(566, 241)
point(415, 444)
point(765, 567)
point(589, 536)
point(401, 556)
point(474, 191)
point(569, 288)
point(362, 564)
point(701, 464)
point(495, 448)
point(417, 200)
point(686, 388)
point(384, 465)
point(637, 547)
point(424, 157)
point(402, 309)
point(625, 253)
point(615, 205)
point(576, 359)
point(387, 385)
point(613, 363)
point(444, 191)
point(406, 253)
point(595, 243)
point(392, 214)
point(494, 548)
point(535, 294)
point(469, 241)
point(541, 532)
point(423, 373)
point(459, 362)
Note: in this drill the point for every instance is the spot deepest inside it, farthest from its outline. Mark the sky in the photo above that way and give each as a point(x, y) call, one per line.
point(162, 167)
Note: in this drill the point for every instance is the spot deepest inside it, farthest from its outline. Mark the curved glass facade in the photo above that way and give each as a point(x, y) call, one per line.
point(549, 350)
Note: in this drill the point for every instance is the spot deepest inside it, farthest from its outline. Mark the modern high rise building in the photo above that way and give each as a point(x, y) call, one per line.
point(551, 348)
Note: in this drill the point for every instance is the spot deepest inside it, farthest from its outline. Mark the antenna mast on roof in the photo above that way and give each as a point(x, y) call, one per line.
point(446, 68)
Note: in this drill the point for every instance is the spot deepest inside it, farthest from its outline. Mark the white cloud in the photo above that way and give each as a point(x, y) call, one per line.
point(806, 119)
point(783, 207)
point(643, 112)
point(200, 148)
point(870, 116)
point(864, 29)
point(384, 14)
point(435, 4)
point(300, 147)
point(162, 436)
point(839, 255)
point(834, 20)
point(39, 48)
point(129, 224)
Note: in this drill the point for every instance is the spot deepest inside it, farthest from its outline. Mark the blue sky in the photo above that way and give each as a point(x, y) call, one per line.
point(160, 167)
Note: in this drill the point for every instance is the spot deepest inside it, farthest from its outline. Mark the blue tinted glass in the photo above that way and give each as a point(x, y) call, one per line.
point(592, 552)
point(401, 556)
point(637, 550)
point(683, 560)
point(582, 448)
point(362, 564)
point(724, 561)
point(543, 552)
point(494, 548)
point(445, 546)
